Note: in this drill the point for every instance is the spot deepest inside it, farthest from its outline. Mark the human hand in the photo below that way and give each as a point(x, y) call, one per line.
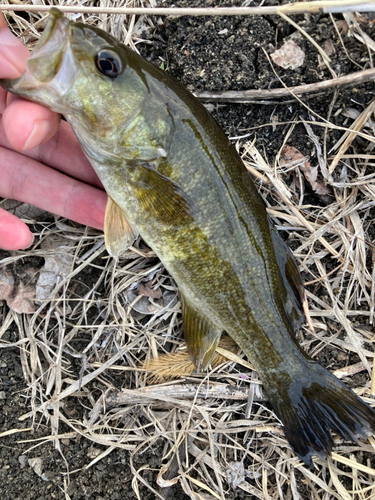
point(41, 162)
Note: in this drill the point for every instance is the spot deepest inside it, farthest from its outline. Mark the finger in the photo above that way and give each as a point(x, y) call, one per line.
point(30, 125)
point(27, 180)
point(13, 54)
point(27, 124)
point(63, 153)
point(14, 234)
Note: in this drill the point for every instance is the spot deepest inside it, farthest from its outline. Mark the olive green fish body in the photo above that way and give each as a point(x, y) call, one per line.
point(168, 166)
point(218, 247)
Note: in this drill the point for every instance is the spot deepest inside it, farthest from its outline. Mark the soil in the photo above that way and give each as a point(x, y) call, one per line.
point(203, 54)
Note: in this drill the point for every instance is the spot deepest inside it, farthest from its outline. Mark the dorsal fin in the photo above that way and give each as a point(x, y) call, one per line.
point(291, 278)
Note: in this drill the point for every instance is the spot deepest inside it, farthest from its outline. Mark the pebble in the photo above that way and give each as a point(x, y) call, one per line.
point(37, 464)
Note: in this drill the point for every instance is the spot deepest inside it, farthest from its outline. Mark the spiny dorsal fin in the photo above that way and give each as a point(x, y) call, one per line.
point(119, 234)
point(201, 335)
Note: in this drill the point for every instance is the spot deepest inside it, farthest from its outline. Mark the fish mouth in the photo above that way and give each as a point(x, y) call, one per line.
point(46, 59)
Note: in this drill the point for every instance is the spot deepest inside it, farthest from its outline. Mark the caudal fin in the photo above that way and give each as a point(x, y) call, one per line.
point(317, 403)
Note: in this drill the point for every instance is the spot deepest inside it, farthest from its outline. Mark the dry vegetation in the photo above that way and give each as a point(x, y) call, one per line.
point(78, 341)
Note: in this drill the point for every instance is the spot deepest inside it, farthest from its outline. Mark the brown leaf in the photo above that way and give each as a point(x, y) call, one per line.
point(19, 297)
point(328, 47)
point(342, 25)
point(147, 291)
point(291, 154)
point(58, 260)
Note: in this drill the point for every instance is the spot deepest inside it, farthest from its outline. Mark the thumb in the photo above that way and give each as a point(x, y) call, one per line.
point(13, 54)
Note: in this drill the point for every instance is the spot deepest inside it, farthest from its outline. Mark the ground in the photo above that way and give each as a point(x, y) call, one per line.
point(203, 53)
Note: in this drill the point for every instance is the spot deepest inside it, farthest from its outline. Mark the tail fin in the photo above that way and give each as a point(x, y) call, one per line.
point(317, 403)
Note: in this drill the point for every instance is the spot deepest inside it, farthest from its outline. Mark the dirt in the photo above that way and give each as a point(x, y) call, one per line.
point(203, 54)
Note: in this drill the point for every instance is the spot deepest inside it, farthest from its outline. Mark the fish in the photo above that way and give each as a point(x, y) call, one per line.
point(173, 177)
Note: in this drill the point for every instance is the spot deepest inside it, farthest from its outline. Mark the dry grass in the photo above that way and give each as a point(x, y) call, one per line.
point(91, 332)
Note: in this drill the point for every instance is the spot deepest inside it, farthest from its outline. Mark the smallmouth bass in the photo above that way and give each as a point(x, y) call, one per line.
point(172, 176)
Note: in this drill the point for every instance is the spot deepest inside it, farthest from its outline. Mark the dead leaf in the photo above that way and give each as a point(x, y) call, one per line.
point(343, 26)
point(18, 290)
point(148, 291)
point(142, 304)
point(22, 287)
point(235, 474)
point(363, 19)
point(290, 154)
point(289, 56)
point(328, 47)
point(58, 263)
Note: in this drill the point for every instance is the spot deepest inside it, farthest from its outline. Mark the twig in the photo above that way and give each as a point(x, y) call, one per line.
point(15, 431)
point(295, 8)
point(244, 95)
point(350, 370)
point(147, 395)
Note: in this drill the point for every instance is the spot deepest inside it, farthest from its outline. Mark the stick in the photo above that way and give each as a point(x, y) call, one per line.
point(295, 8)
point(148, 395)
point(244, 95)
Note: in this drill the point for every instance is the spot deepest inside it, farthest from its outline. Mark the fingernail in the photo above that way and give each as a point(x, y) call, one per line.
point(31, 241)
point(38, 134)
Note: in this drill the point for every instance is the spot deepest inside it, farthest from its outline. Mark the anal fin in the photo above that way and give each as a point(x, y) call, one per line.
point(119, 234)
point(201, 335)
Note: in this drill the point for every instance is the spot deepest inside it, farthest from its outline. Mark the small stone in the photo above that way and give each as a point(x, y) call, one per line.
point(3, 395)
point(37, 465)
point(22, 460)
point(93, 452)
point(341, 356)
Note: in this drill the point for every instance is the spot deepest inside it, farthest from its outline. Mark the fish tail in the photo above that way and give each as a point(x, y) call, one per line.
point(316, 403)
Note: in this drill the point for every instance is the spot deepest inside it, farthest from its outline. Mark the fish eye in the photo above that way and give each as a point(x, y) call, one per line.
point(109, 63)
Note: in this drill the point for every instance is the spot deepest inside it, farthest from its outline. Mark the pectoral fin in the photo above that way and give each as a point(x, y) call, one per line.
point(161, 197)
point(201, 336)
point(119, 234)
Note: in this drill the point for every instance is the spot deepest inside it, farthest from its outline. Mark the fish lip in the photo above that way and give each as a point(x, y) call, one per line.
point(46, 58)
point(42, 81)
point(55, 17)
